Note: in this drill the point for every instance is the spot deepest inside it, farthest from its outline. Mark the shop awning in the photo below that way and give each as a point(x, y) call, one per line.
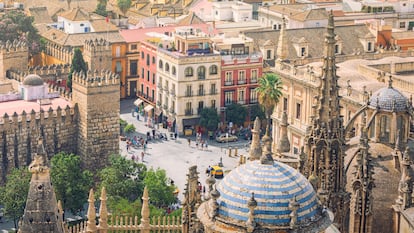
point(158, 111)
point(138, 102)
point(191, 121)
point(148, 108)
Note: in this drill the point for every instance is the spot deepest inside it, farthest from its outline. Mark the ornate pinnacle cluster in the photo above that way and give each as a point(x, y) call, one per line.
point(255, 147)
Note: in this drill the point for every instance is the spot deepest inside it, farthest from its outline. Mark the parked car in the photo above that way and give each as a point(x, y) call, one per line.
point(217, 172)
point(226, 138)
point(246, 134)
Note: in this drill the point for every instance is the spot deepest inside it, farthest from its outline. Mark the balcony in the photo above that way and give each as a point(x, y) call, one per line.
point(172, 92)
point(253, 80)
point(188, 112)
point(253, 101)
point(188, 93)
point(165, 107)
point(201, 92)
point(228, 83)
point(166, 91)
point(229, 102)
point(159, 87)
point(158, 103)
point(213, 92)
point(241, 81)
point(201, 76)
point(241, 102)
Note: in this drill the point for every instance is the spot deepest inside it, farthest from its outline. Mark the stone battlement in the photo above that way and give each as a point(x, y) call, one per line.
point(96, 43)
point(13, 46)
point(96, 79)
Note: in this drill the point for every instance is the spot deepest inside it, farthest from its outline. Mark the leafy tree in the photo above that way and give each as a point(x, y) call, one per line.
point(101, 9)
point(78, 64)
point(130, 128)
point(209, 118)
point(15, 25)
point(70, 182)
point(124, 207)
point(14, 194)
point(256, 111)
point(236, 113)
point(124, 5)
point(123, 178)
point(159, 188)
point(269, 92)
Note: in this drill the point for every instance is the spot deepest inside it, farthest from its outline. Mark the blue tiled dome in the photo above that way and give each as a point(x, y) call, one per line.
point(386, 97)
point(274, 187)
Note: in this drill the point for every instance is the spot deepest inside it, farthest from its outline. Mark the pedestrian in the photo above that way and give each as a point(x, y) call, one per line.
point(153, 133)
point(145, 146)
point(197, 144)
point(127, 147)
point(142, 156)
point(175, 135)
point(202, 145)
point(189, 141)
point(137, 116)
point(204, 189)
point(206, 145)
point(133, 158)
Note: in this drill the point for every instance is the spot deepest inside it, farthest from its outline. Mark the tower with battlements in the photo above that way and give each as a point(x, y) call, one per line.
point(97, 54)
point(97, 97)
point(13, 55)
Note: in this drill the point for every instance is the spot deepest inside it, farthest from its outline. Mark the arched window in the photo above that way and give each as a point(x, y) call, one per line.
point(167, 67)
point(213, 69)
point(160, 64)
point(173, 70)
point(188, 72)
point(201, 72)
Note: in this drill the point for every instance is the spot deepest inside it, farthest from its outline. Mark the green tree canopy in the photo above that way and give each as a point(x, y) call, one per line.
point(15, 25)
point(269, 92)
point(209, 118)
point(124, 5)
point(159, 188)
point(14, 194)
point(71, 183)
point(123, 178)
point(129, 128)
point(101, 9)
point(236, 113)
point(257, 111)
point(78, 64)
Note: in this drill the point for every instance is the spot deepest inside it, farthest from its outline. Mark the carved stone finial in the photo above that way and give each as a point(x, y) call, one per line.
point(293, 206)
point(255, 148)
point(91, 223)
point(284, 144)
point(103, 211)
point(390, 81)
point(145, 211)
point(251, 204)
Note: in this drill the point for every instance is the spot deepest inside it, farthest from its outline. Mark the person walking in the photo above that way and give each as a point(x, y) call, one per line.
point(189, 141)
point(142, 156)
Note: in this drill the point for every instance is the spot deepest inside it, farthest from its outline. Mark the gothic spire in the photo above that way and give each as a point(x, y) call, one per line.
point(284, 144)
point(41, 213)
point(255, 148)
point(282, 51)
point(361, 215)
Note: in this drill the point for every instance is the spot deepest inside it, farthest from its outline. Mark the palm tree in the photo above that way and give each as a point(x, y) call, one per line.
point(269, 92)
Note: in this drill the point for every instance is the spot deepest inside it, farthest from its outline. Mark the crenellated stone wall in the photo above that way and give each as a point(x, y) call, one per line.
point(14, 55)
point(98, 99)
point(21, 131)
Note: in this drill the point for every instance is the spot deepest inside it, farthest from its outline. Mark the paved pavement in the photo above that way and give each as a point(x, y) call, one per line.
point(176, 156)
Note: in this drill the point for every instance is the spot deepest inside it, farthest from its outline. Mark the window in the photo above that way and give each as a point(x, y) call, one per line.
point(285, 104)
point(189, 91)
point(153, 78)
point(148, 75)
point(253, 78)
point(118, 51)
point(242, 77)
point(240, 95)
point(200, 107)
point(213, 69)
point(275, 27)
point(152, 94)
point(253, 95)
point(148, 59)
point(337, 49)
point(402, 24)
point(269, 54)
point(82, 24)
point(118, 68)
point(160, 64)
point(188, 108)
point(303, 52)
point(201, 90)
point(133, 47)
point(173, 70)
point(147, 93)
point(213, 103)
point(297, 110)
point(167, 67)
point(188, 72)
point(142, 72)
point(133, 67)
point(153, 60)
point(201, 72)
point(142, 55)
point(229, 78)
point(228, 97)
point(369, 47)
point(213, 89)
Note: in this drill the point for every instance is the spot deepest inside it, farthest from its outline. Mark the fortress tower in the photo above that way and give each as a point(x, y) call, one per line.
point(97, 54)
point(97, 97)
point(13, 55)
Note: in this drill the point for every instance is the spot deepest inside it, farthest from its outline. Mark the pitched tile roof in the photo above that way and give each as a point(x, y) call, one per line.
point(75, 14)
point(190, 19)
point(40, 15)
point(78, 39)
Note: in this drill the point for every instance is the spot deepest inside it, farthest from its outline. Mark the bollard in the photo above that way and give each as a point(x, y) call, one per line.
point(235, 152)
point(241, 160)
point(229, 151)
